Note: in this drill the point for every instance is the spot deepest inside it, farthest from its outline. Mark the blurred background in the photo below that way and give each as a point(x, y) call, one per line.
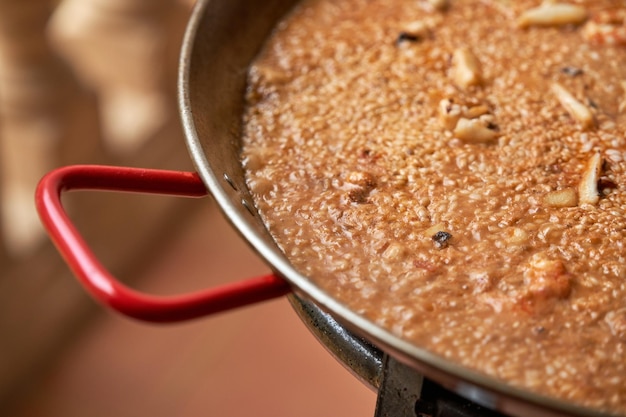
point(93, 81)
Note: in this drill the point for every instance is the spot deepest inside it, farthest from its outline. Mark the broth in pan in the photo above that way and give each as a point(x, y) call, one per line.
point(456, 173)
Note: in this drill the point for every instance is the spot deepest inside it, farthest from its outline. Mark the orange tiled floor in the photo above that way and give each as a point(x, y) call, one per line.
point(259, 360)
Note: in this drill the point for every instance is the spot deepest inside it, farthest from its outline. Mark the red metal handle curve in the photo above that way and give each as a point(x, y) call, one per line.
point(106, 288)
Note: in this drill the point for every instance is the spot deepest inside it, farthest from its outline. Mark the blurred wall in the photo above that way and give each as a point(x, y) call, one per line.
point(81, 81)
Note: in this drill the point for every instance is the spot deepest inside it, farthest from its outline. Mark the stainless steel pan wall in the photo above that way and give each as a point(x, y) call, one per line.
point(223, 38)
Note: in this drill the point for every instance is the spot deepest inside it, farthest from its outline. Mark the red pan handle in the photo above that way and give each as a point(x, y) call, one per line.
point(106, 288)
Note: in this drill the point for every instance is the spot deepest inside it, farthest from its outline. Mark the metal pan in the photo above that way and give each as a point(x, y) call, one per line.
point(222, 38)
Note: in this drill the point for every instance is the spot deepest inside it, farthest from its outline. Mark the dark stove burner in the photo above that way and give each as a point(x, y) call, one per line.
point(402, 391)
point(400, 396)
point(437, 401)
